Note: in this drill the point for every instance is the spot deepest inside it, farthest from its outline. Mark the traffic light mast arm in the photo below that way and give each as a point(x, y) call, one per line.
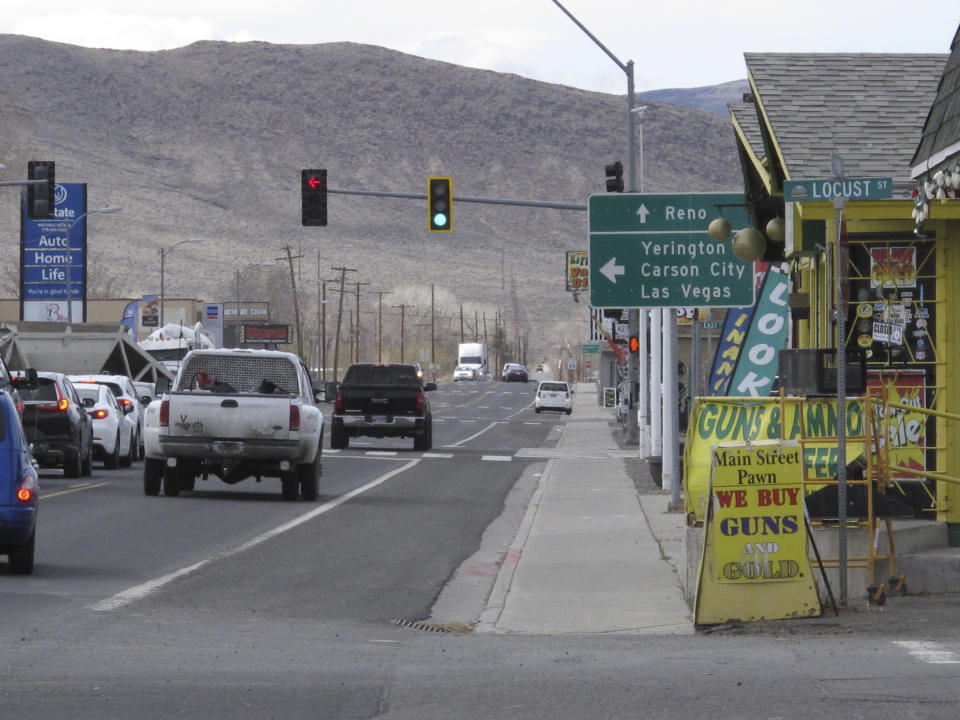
point(461, 199)
point(14, 183)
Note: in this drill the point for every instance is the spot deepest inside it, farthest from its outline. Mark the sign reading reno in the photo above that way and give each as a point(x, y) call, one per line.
point(654, 251)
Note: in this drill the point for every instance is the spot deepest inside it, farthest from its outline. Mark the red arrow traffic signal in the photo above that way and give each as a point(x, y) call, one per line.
point(313, 194)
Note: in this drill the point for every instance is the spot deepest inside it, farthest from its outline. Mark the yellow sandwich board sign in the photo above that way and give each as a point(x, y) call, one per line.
point(754, 563)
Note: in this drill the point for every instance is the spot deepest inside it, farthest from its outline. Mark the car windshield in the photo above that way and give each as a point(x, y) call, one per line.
point(45, 391)
point(88, 392)
point(381, 375)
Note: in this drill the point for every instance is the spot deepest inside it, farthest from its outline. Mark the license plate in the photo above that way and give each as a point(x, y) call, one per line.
point(226, 448)
point(381, 420)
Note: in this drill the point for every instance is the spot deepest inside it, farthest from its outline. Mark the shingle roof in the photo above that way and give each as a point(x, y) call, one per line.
point(942, 129)
point(867, 107)
point(745, 115)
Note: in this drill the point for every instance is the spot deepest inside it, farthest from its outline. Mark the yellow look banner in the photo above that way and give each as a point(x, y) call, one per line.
point(757, 513)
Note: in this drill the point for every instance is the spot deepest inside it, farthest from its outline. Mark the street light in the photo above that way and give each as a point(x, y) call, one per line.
point(163, 260)
point(104, 210)
point(241, 268)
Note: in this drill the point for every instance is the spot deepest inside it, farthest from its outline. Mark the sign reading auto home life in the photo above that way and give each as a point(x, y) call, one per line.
point(654, 251)
point(44, 263)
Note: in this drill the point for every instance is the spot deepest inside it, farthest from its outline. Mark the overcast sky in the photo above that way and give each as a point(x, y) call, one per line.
point(678, 43)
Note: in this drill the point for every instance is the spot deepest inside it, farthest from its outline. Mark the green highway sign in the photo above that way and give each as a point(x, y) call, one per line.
point(589, 348)
point(654, 251)
point(830, 190)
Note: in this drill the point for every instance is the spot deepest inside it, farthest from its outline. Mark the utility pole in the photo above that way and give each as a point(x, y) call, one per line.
point(403, 307)
point(336, 346)
point(296, 302)
point(433, 337)
point(357, 333)
point(381, 293)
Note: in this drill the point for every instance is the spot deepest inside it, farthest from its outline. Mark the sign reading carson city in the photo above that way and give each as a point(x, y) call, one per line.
point(655, 251)
point(45, 261)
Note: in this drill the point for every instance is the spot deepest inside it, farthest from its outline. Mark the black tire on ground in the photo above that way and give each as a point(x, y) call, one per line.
point(569, 411)
point(86, 467)
point(309, 475)
point(537, 410)
point(73, 467)
point(112, 461)
point(289, 485)
point(127, 460)
point(152, 476)
point(171, 481)
point(141, 451)
point(338, 437)
point(188, 481)
point(21, 558)
point(424, 441)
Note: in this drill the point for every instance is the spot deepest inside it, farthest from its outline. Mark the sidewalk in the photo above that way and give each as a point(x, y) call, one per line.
point(591, 554)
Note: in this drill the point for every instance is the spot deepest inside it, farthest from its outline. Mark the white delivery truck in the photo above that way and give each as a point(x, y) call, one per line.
point(474, 356)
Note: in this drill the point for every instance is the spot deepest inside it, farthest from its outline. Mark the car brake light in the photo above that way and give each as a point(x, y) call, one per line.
point(125, 402)
point(63, 404)
point(338, 404)
point(421, 401)
point(165, 413)
point(27, 489)
point(99, 414)
point(294, 417)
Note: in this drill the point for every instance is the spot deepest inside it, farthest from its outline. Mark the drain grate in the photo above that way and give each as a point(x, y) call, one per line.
point(457, 628)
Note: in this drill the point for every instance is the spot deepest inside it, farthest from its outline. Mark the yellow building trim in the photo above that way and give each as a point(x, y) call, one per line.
point(767, 127)
point(757, 163)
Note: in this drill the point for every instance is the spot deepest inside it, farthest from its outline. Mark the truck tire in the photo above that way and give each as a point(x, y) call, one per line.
point(338, 436)
point(171, 481)
point(289, 485)
point(424, 441)
point(309, 475)
point(86, 467)
point(152, 476)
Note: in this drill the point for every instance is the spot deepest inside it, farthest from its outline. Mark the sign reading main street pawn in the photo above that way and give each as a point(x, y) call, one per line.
point(654, 251)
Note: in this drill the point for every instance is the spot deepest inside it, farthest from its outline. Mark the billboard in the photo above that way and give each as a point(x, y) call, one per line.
point(53, 258)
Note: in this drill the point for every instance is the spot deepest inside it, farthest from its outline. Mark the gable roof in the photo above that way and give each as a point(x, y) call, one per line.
point(866, 107)
point(941, 132)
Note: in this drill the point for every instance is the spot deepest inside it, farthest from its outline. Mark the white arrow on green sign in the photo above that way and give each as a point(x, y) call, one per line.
point(654, 251)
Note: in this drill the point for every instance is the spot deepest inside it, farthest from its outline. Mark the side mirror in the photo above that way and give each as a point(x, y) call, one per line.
point(88, 402)
point(146, 399)
point(127, 409)
point(163, 385)
point(430, 386)
point(330, 391)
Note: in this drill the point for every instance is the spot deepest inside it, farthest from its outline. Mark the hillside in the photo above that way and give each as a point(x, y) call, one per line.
point(209, 139)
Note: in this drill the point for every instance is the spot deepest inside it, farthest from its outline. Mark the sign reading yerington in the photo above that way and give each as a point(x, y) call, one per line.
point(655, 251)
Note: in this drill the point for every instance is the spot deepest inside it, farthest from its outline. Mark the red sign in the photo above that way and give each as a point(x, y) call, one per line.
point(266, 334)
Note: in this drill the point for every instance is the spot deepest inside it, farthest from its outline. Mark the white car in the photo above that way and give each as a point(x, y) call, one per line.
point(553, 395)
point(462, 372)
point(127, 399)
point(113, 431)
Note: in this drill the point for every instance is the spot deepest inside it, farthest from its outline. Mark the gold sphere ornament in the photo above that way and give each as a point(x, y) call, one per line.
point(719, 229)
point(777, 230)
point(749, 244)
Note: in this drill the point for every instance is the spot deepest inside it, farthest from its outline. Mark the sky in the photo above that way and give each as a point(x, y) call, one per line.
point(677, 44)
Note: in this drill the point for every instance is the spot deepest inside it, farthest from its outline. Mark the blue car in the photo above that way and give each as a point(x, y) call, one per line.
point(19, 485)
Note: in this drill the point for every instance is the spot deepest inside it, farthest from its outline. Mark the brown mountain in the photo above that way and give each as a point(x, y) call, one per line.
point(209, 140)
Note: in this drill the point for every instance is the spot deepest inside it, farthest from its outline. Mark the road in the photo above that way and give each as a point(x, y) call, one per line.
point(229, 602)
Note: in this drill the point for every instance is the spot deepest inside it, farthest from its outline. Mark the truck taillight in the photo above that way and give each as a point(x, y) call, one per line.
point(338, 404)
point(165, 413)
point(294, 417)
point(421, 401)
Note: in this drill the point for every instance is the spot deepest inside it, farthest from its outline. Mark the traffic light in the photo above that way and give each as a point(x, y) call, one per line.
point(614, 173)
point(440, 197)
point(634, 344)
point(40, 197)
point(313, 194)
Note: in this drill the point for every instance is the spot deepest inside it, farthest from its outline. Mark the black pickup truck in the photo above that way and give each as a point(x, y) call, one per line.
point(381, 400)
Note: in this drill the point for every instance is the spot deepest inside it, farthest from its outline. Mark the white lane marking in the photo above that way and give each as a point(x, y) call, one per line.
point(445, 456)
point(380, 453)
point(138, 592)
point(467, 439)
point(929, 652)
point(496, 458)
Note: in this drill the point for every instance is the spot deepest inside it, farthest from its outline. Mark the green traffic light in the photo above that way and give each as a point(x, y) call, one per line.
point(440, 220)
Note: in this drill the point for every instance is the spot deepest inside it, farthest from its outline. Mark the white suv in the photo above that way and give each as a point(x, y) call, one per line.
point(127, 398)
point(553, 395)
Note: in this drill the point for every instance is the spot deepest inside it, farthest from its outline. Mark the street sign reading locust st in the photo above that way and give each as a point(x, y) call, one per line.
point(654, 251)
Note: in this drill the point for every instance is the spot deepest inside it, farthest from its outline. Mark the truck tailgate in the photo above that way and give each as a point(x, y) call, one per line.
point(393, 400)
point(243, 417)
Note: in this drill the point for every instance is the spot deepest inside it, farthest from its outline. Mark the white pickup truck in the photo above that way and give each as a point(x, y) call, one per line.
point(235, 414)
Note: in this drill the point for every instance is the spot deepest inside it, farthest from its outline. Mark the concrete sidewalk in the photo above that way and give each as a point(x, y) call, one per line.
point(591, 555)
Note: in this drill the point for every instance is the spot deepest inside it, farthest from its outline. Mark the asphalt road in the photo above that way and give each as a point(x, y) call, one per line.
point(229, 602)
